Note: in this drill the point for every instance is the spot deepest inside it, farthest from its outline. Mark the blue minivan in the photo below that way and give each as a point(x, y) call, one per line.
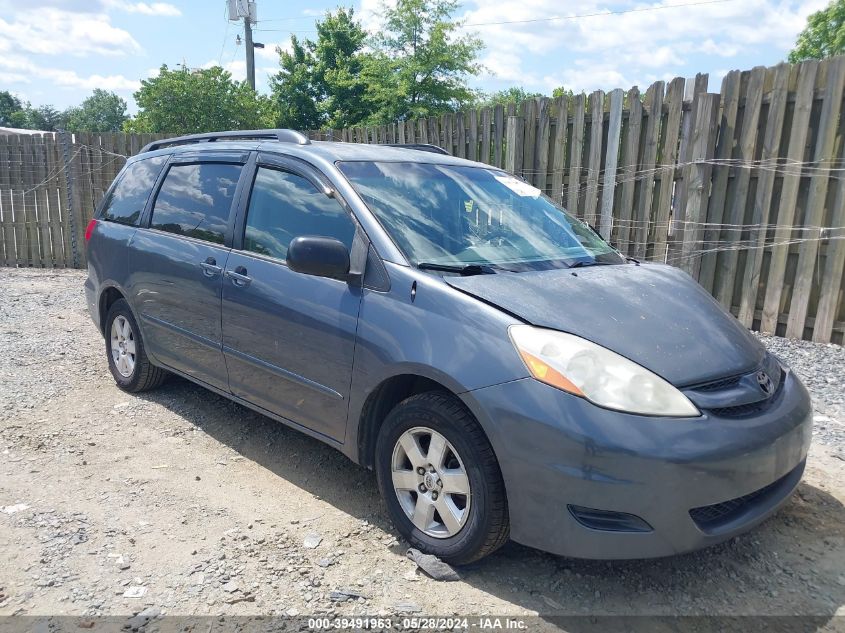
point(505, 371)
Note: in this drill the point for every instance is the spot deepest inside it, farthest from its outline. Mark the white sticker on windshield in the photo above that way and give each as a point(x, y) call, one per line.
point(519, 187)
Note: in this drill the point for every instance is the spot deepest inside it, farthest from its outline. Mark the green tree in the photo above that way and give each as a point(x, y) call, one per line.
point(514, 94)
point(20, 114)
point(294, 91)
point(185, 101)
point(824, 35)
point(103, 111)
point(421, 63)
point(10, 107)
point(319, 84)
point(340, 57)
point(47, 118)
point(561, 91)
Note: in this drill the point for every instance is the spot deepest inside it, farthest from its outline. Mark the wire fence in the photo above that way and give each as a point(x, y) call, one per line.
point(744, 189)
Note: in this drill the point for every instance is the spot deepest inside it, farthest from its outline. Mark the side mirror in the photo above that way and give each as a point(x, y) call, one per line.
point(319, 256)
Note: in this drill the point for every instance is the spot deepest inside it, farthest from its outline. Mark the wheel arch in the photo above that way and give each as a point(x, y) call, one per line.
point(392, 390)
point(108, 296)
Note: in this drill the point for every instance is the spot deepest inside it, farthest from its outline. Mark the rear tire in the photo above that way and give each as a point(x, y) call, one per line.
point(128, 361)
point(440, 479)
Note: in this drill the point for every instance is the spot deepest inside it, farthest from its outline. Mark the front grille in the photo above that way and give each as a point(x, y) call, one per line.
point(753, 408)
point(709, 517)
point(741, 410)
point(722, 383)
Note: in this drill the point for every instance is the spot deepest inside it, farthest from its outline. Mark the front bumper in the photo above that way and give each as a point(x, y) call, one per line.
point(557, 451)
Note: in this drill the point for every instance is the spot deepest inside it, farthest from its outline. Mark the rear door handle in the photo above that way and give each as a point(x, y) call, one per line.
point(210, 267)
point(239, 277)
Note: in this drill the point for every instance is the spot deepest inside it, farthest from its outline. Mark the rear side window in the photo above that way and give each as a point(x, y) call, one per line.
point(284, 206)
point(195, 200)
point(127, 200)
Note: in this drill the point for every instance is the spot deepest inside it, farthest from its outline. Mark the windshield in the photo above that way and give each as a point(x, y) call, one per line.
point(456, 216)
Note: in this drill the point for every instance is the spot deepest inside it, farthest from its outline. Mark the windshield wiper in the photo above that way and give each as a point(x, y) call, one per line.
point(465, 270)
point(584, 264)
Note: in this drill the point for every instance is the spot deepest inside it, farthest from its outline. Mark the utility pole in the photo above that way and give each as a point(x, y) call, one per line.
point(250, 52)
point(247, 11)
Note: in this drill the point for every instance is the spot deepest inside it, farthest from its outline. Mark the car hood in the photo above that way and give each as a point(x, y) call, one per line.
point(653, 314)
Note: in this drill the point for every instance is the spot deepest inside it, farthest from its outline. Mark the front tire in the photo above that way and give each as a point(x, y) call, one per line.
point(440, 479)
point(128, 361)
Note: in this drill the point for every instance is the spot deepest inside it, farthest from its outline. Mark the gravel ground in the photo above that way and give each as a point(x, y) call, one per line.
point(182, 501)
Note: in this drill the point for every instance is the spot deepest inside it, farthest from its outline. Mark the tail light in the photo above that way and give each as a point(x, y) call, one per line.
point(90, 229)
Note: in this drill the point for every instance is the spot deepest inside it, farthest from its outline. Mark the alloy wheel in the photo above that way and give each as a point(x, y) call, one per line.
point(123, 346)
point(431, 482)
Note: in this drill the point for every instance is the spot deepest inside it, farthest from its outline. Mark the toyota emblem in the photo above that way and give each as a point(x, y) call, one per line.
point(765, 382)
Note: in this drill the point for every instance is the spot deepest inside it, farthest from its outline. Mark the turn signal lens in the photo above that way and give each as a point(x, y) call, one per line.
point(548, 374)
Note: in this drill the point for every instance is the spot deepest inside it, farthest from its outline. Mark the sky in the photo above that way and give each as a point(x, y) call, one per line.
point(58, 51)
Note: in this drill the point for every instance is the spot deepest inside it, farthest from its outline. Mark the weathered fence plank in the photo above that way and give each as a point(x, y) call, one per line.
point(630, 162)
point(591, 190)
point(830, 288)
point(541, 153)
point(7, 221)
point(63, 201)
point(788, 195)
point(824, 156)
point(498, 134)
point(486, 136)
point(54, 190)
point(727, 266)
point(472, 136)
point(721, 172)
point(653, 107)
point(529, 139)
point(702, 146)
point(42, 216)
point(763, 197)
point(614, 134)
point(670, 131)
point(18, 214)
point(513, 157)
point(559, 159)
point(576, 151)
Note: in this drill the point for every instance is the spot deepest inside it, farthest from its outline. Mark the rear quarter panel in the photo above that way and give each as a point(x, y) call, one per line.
point(108, 251)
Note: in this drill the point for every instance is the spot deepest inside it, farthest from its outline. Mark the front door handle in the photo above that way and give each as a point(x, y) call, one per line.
point(210, 267)
point(239, 277)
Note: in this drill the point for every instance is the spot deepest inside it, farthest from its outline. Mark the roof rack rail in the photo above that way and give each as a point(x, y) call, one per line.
point(422, 147)
point(285, 136)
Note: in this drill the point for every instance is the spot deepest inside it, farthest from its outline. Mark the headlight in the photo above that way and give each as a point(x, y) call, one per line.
point(605, 378)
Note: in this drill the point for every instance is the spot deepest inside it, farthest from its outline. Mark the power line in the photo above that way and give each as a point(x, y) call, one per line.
point(225, 38)
point(535, 20)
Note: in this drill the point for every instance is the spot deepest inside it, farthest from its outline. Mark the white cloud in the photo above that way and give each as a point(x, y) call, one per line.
point(236, 67)
point(25, 70)
point(609, 51)
point(50, 31)
point(14, 78)
point(152, 8)
point(269, 51)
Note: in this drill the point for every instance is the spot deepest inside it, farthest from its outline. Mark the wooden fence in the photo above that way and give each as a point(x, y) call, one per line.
point(49, 187)
point(744, 188)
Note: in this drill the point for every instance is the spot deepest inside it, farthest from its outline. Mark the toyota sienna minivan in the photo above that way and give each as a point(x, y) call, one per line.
point(503, 369)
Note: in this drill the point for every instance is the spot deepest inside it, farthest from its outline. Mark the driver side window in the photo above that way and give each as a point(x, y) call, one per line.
point(283, 206)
